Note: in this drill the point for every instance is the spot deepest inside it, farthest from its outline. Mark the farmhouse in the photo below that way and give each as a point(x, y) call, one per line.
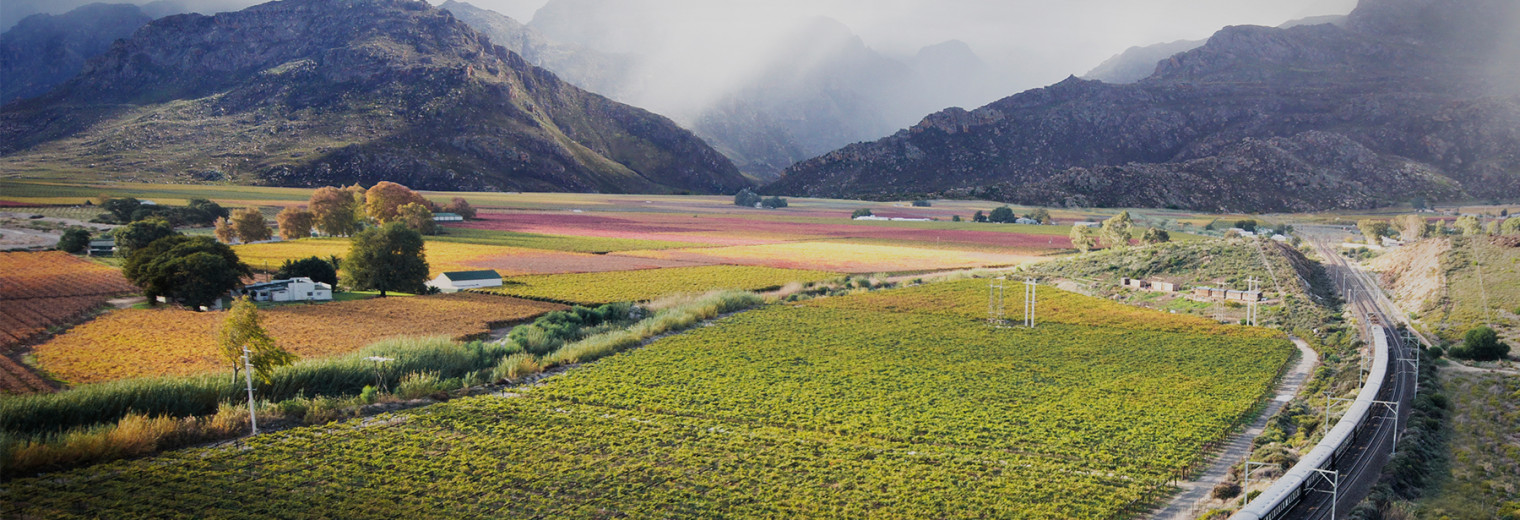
point(461, 280)
point(299, 289)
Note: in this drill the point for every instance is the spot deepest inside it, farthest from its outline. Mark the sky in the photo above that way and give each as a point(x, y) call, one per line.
point(1038, 41)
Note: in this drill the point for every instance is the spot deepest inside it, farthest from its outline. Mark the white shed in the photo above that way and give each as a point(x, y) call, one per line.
point(299, 289)
point(461, 280)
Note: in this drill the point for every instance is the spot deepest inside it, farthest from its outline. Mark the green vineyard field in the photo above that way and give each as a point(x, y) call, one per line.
point(839, 408)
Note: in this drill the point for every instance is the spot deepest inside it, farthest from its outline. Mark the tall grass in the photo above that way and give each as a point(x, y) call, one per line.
point(672, 314)
point(105, 403)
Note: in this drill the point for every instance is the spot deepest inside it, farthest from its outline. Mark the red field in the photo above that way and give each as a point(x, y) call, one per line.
point(738, 231)
point(43, 290)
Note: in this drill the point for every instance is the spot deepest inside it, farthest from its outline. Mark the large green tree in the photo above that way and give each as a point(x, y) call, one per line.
point(1373, 230)
point(1481, 344)
point(1002, 215)
point(74, 240)
point(194, 271)
point(139, 234)
point(1082, 238)
point(1117, 230)
point(387, 258)
point(315, 268)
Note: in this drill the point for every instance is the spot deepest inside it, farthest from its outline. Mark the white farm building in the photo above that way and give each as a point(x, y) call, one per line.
point(461, 280)
point(300, 289)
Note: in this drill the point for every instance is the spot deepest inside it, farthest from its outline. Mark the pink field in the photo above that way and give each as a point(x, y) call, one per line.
point(839, 257)
point(736, 231)
point(555, 262)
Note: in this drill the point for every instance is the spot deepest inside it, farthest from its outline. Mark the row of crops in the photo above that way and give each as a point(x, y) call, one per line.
point(842, 408)
point(42, 291)
point(651, 284)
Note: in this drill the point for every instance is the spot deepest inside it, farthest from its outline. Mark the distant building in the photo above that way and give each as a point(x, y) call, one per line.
point(448, 217)
point(299, 289)
point(102, 247)
point(461, 280)
point(1164, 286)
point(1089, 224)
point(1026, 221)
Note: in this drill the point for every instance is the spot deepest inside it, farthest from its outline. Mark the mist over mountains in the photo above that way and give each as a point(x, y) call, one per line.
point(1411, 98)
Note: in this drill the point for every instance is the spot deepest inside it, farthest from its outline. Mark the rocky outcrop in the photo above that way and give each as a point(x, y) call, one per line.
point(308, 92)
point(44, 50)
point(1397, 104)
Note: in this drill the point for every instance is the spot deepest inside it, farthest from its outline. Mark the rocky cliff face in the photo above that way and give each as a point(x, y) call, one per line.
point(306, 92)
point(1404, 101)
point(44, 50)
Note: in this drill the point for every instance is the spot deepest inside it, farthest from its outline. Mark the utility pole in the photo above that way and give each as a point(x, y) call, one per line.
point(253, 417)
point(1334, 478)
point(1029, 300)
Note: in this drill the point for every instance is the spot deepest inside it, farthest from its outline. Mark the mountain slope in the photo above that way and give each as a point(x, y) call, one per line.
point(306, 92)
point(599, 72)
point(44, 50)
point(1137, 63)
point(1411, 98)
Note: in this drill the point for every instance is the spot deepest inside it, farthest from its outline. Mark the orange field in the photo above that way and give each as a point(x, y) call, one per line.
point(39, 291)
point(158, 342)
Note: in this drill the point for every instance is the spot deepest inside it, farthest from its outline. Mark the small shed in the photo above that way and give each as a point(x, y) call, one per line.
point(1203, 292)
point(1164, 286)
point(460, 280)
point(102, 247)
point(448, 217)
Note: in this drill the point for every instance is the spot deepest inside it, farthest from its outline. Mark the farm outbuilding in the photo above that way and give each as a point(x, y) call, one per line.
point(448, 217)
point(102, 247)
point(460, 280)
point(1164, 286)
point(299, 289)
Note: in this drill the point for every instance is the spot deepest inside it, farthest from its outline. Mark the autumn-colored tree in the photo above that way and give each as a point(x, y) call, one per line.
point(383, 201)
point(418, 218)
point(242, 330)
point(1412, 227)
point(1082, 238)
point(250, 225)
point(335, 210)
point(1373, 230)
point(295, 223)
point(460, 207)
point(223, 230)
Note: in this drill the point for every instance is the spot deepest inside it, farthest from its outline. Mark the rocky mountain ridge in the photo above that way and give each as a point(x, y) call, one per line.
point(44, 50)
point(1407, 100)
point(308, 92)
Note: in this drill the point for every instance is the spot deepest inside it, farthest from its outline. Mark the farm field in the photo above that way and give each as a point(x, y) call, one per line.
point(39, 291)
point(443, 256)
point(838, 257)
point(811, 410)
point(135, 343)
point(608, 287)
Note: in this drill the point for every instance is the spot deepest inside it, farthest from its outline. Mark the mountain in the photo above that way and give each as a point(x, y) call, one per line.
point(814, 89)
point(311, 92)
point(1137, 63)
point(13, 11)
point(1410, 98)
point(44, 50)
point(596, 71)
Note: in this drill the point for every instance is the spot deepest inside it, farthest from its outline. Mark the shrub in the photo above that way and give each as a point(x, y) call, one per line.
point(921, 204)
point(1480, 344)
point(368, 394)
point(417, 385)
point(1226, 491)
point(861, 212)
point(74, 240)
point(517, 366)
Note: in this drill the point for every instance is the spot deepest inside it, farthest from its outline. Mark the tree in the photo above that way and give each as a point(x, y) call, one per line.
point(250, 225)
point(121, 209)
point(921, 204)
point(74, 240)
point(315, 268)
point(978, 216)
point(1246, 225)
point(862, 212)
point(384, 200)
point(1082, 238)
point(192, 270)
point(1481, 344)
point(417, 218)
point(141, 233)
point(773, 203)
point(204, 212)
point(336, 211)
point(241, 329)
point(387, 258)
point(223, 231)
point(461, 207)
point(746, 198)
point(1155, 236)
point(955, 218)
point(1117, 230)
point(295, 223)
point(1469, 225)
point(1511, 226)
point(1002, 215)
point(1412, 227)
point(1373, 230)
point(1041, 215)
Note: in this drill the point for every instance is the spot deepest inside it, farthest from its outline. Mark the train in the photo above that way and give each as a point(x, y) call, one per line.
point(1300, 480)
